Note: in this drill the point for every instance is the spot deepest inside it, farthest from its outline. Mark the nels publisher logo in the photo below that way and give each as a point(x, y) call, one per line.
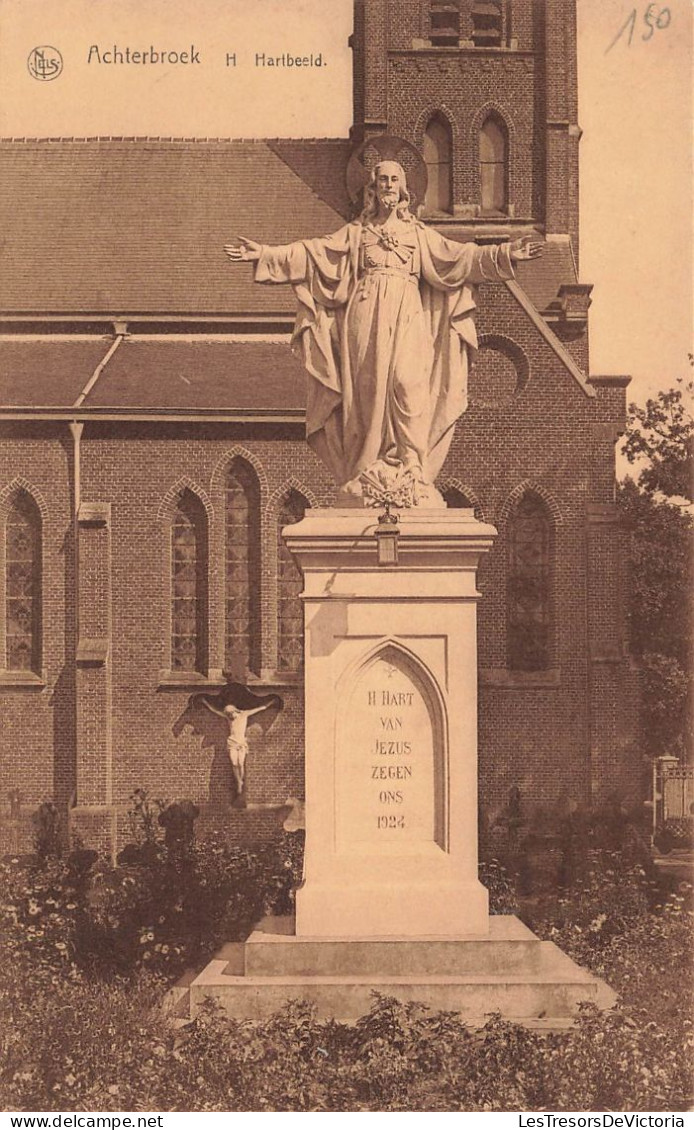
point(45, 63)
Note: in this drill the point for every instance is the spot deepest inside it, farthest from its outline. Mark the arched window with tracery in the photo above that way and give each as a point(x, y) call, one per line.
point(23, 585)
point(242, 570)
point(438, 155)
point(493, 144)
point(290, 613)
point(189, 554)
point(529, 581)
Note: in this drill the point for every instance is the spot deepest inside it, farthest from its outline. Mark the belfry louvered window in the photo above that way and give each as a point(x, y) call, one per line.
point(444, 23)
point(487, 23)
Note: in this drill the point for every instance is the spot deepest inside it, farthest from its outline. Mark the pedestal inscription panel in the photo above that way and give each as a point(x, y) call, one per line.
point(390, 756)
point(391, 727)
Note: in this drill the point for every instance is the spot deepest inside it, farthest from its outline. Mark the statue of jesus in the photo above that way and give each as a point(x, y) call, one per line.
point(383, 327)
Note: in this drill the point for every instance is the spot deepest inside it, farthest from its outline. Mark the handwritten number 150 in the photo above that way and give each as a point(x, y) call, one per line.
point(655, 19)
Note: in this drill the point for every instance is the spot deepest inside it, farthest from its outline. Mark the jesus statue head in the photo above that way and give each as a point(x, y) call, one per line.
point(386, 193)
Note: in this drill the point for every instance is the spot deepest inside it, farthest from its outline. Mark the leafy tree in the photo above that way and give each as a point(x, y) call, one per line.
point(661, 574)
point(663, 434)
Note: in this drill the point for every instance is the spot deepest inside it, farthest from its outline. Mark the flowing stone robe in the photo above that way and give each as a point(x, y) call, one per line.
point(384, 329)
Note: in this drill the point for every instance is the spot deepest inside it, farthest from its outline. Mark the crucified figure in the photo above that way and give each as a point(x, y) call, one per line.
point(237, 745)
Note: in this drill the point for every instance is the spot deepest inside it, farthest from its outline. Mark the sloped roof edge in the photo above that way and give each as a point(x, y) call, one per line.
point(550, 337)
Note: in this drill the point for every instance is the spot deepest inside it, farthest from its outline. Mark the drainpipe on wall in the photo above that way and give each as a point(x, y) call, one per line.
point(120, 329)
point(92, 815)
point(76, 429)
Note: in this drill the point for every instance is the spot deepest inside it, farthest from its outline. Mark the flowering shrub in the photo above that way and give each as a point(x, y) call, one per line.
point(168, 904)
point(75, 1039)
point(618, 1060)
point(500, 885)
point(605, 900)
point(544, 850)
point(650, 952)
point(116, 1052)
point(41, 908)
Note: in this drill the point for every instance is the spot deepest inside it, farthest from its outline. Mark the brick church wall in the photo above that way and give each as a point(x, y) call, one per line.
point(38, 722)
point(161, 743)
point(529, 424)
point(566, 732)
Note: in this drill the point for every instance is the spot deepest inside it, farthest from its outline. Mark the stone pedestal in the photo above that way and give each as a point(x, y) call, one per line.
point(391, 726)
point(391, 900)
point(506, 970)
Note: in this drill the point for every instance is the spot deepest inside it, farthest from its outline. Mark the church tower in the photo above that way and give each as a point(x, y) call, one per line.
point(487, 92)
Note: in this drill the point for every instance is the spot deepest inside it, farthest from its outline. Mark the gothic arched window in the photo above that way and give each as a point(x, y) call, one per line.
point(438, 150)
point(23, 585)
point(494, 165)
point(456, 500)
point(530, 566)
point(290, 613)
point(242, 570)
point(189, 585)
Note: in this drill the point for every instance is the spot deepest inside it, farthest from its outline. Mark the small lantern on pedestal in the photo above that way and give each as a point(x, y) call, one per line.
point(387, 534)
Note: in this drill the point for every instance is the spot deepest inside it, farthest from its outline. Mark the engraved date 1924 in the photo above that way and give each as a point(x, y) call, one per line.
point(391, 821)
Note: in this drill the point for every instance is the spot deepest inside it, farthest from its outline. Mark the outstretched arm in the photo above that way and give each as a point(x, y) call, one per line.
point(209, 706)
point(246, 251)
point(448, 264)
point(527, 247)
point(284, 264)
point(257, 709)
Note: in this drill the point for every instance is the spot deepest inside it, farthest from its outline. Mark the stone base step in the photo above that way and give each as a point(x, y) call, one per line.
point(509, 947)
point(510, 971)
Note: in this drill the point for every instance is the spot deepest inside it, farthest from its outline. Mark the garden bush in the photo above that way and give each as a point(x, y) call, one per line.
point(168, 903)
point(116, 1052)
point(90, 950)
point(545, 849)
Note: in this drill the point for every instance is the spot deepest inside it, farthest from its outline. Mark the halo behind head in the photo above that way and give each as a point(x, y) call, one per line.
point(386, 147)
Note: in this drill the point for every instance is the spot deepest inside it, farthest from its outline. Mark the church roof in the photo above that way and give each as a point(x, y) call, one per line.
point(120, 228)
point(125, 226)
point(541, 278)
point(225, 377)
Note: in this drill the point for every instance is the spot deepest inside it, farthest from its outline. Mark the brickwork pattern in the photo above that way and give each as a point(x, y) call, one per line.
point(533, 737)
point(38, 722)
point(529, 426)
point(162, 742)
point(605, 604)
point(529, 81)
point(467, 90)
